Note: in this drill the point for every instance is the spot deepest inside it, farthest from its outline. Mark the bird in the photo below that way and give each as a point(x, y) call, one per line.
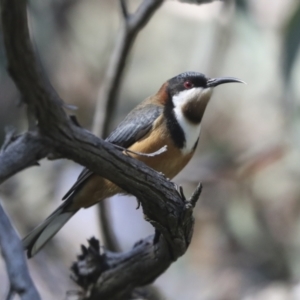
point(170, 118)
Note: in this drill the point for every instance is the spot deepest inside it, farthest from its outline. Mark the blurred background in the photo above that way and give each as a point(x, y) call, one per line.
point(246, 243)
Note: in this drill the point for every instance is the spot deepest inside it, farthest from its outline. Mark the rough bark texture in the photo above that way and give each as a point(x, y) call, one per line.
point(162, 202)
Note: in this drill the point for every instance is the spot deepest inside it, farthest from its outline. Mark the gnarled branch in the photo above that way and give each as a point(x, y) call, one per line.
point(98, 274)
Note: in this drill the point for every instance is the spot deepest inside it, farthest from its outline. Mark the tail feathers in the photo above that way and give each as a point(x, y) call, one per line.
point(39, 236)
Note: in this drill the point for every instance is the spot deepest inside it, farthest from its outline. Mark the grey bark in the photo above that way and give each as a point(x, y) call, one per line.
point(13, 254)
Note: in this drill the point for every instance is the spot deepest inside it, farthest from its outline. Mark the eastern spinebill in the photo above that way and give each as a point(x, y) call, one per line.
point(172, 117)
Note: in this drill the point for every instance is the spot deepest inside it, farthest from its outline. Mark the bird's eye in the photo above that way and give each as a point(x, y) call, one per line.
point(188, 85)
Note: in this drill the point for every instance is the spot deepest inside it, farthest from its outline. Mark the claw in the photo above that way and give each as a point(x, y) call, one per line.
point(180, 192)
point(138, 203)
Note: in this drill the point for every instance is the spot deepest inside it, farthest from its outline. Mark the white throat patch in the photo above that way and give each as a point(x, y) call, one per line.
point(191, 130)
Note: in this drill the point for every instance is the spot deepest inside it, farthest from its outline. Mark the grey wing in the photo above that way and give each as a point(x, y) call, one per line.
point(134, 127)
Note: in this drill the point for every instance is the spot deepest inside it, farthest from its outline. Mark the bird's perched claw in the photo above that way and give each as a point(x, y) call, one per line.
point(138, 203)
point(179, 189)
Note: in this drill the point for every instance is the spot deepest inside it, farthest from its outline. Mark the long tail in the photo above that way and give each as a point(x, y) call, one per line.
point(40, 235)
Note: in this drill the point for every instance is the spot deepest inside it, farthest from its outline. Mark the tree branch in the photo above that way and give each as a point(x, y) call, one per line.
point(108, 93)
point(20, 152)
point(99, 274)
point(13, 254)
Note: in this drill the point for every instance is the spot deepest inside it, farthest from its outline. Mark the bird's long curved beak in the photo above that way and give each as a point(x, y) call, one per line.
point(212, 82)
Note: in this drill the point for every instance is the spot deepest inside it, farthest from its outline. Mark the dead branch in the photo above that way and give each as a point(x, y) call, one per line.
point(98, 273)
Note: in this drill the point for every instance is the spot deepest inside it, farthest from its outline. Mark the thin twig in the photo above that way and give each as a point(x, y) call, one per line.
point(124, 9)
point(108, 93)
point(195, 197)
point(13, 253)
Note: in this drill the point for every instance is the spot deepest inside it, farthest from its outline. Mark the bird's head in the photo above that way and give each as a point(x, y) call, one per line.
point(189, 93)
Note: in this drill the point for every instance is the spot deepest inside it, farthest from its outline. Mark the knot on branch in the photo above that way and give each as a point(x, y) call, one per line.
point(90, 264)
